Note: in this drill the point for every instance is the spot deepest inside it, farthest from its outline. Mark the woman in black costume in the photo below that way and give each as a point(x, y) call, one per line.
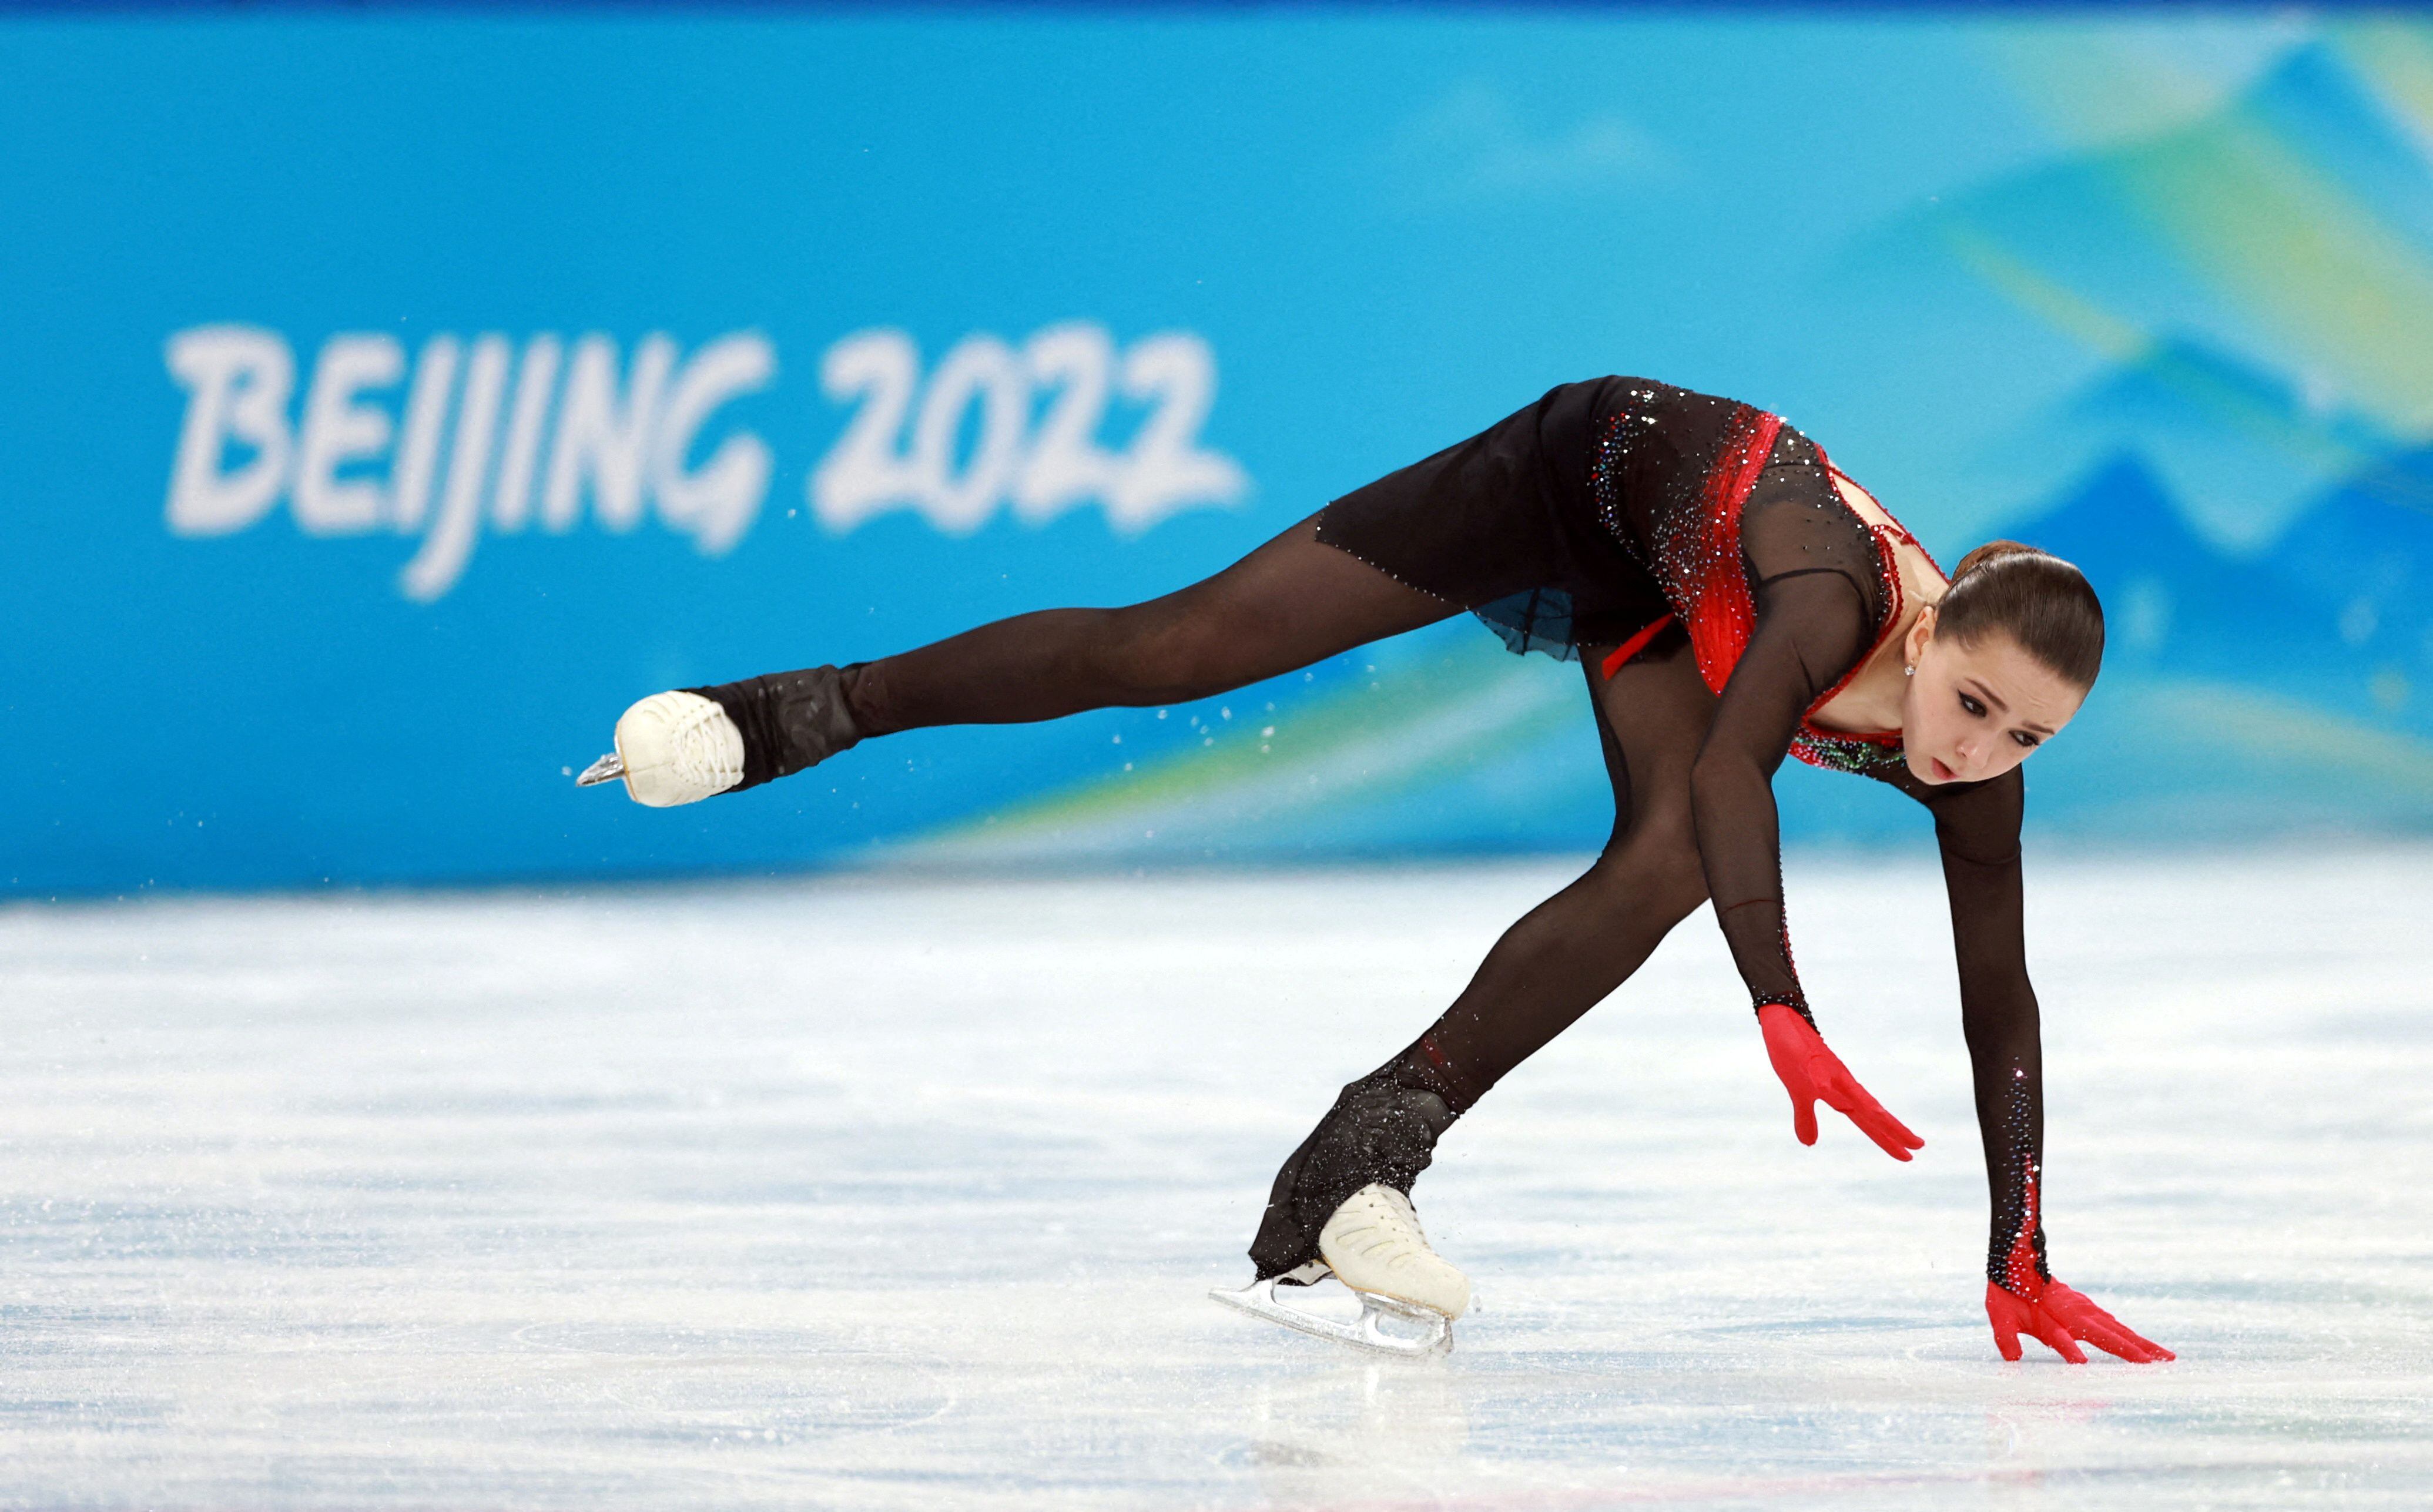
point(1734, 598)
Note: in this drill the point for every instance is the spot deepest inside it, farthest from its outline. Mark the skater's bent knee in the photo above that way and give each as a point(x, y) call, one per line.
point(1680, 887)
point(1664, 880)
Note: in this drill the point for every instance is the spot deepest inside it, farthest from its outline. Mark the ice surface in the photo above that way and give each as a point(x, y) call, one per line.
point(885, 1193)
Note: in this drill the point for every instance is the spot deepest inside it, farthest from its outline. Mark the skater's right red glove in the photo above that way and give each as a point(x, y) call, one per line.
point(1809, 1072)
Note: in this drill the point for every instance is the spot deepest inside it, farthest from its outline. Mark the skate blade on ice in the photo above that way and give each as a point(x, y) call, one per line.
point(1364, 1333)
point(607, 769)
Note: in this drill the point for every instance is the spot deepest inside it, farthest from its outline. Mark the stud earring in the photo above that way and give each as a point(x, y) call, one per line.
point(1908, 671)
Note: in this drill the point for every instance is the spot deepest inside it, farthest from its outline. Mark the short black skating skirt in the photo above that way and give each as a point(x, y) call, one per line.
point(1505, 525)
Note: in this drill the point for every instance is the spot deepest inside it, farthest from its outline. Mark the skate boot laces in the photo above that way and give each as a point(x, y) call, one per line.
point(1380, 1223)
point(674, 748)
point(706, 751)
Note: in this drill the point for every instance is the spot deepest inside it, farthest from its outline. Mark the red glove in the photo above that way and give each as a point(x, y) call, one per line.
point(1811, 1072)
point(2060, 1315)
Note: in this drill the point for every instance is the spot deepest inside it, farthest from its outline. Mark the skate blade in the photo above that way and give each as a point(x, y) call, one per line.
point(607, 769)
point(1364, 1333)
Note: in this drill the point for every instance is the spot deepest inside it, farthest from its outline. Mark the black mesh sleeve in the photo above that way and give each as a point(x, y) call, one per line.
point(1815, 576)
point(1976, 826)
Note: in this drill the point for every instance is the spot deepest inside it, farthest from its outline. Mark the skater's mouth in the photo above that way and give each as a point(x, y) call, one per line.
point(1941, 772)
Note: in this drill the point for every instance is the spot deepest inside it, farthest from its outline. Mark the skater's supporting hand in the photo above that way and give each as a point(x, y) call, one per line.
point(2060, 1315)
point(1811, 1073)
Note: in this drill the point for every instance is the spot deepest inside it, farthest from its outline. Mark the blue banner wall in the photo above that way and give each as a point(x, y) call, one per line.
point(390, 400)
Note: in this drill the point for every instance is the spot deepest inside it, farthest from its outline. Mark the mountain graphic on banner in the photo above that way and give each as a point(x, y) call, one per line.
point(2250, 692)
point(2240, 449)
point(2367, 550)
point(2174, 602)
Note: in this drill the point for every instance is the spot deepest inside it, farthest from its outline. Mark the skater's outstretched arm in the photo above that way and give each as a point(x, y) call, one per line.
point(1977, 828)
point(1809, 629)
point(1815, 575)
point(1812, 626)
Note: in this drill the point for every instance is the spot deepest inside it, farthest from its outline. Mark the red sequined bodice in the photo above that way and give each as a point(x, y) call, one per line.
point(1694, 548)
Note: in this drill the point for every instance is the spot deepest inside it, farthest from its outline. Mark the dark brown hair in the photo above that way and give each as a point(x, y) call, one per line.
point(2039, 601)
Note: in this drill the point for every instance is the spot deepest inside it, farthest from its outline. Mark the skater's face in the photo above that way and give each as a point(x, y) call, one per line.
point(1971, 712)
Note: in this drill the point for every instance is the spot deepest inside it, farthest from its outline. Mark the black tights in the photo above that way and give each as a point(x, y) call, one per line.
point(1291, 603)
point(1288, 604)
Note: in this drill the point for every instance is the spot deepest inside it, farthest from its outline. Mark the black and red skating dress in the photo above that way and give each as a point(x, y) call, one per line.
point(1615, 514)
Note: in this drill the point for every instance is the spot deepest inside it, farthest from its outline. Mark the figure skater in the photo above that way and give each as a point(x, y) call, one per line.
point(1734, 597)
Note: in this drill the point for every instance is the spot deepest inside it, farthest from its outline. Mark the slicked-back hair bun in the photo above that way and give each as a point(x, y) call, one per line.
point(2039, 601)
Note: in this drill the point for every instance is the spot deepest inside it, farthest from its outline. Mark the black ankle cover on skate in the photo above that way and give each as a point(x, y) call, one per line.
point(789, 721)
point(1381, 1130)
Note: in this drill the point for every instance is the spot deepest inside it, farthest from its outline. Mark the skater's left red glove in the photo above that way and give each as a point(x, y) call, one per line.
point(1811, 1072)
point(2060, 1315)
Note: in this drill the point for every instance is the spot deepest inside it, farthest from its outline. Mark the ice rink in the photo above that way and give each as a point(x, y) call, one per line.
point(892, 1193)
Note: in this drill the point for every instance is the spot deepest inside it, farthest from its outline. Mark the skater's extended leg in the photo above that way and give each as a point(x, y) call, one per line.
point(1561, 960)
point(1292, 602)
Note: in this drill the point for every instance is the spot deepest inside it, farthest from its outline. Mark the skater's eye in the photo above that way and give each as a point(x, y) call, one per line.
point(2026, 739)
point(1976, 709)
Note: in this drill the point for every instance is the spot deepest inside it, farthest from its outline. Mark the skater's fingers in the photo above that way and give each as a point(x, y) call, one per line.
point(2006, 1328)
point(1888, 1134)
point(1876, 1124)
point(2049, 1329)
point(2115, 1341)
point(2107, 1333)
point(2155, 1353)
point(2097, 1326)
point(2084, 1318)
point(1803, 1119)
point(1865, 1110)
point(1908, 1140)
point(1904, 1134)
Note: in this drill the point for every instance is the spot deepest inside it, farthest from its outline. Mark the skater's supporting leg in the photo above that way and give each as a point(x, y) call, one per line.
point(1569, 954)
point(1292, 602)
point(1560, 960)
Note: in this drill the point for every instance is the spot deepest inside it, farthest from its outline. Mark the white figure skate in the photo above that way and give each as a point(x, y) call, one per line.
point(671, 748)
point(683, 746)
point(1373, 1245)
